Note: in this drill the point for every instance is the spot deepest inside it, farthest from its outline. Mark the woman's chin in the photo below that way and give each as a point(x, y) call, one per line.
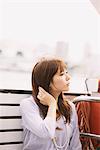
point(66, 89)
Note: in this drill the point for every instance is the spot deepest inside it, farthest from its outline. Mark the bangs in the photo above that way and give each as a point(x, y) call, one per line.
point(62, 66)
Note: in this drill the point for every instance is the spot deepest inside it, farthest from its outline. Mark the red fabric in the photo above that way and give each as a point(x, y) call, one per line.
point(89, 122)
point(95, 118)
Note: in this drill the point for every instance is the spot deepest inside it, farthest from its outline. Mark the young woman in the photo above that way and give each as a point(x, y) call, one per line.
point(49, 122)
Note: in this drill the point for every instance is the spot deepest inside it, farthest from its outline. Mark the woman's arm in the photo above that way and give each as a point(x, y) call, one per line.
point(32, 121)
point(47, 99)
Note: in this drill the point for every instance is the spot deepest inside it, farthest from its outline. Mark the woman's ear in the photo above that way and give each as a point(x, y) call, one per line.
point(50, 86)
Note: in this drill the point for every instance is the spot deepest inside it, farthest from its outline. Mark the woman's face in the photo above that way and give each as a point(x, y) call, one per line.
point(60, 81)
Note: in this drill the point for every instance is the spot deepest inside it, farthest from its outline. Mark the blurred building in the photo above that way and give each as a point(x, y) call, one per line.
point(61, 50)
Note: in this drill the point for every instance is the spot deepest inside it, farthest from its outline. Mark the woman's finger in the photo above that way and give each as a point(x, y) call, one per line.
point(42, 102)
point(38, 96)
point(41, 89)
point(41, 95)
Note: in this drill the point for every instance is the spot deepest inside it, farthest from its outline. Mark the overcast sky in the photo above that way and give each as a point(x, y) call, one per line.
point(49, 21)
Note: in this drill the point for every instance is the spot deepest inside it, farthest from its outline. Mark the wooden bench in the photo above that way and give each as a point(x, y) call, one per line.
point(10, 119)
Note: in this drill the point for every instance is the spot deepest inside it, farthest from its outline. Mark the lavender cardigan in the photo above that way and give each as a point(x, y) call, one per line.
point(38, 133)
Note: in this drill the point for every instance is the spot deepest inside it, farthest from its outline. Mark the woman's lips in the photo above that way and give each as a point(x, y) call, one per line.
point(68, 83)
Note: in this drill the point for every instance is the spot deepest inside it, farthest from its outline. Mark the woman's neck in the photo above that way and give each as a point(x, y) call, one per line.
point(55, 95)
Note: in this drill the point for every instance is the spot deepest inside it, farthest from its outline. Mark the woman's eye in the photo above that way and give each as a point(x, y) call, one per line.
point(62, 73)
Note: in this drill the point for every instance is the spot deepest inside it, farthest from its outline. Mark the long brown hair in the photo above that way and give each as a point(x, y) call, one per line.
point(42, 75)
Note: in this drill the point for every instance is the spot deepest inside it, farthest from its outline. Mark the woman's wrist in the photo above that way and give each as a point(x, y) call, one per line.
point(52, 102)
point(52, 109)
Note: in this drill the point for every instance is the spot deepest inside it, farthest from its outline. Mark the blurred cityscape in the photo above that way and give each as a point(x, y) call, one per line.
point(15, 69)
point(23, 61)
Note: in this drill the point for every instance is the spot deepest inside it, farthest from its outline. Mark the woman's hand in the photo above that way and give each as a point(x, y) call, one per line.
point(45, 98)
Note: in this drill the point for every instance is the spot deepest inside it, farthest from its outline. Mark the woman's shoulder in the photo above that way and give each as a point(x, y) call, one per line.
point(28, 102)
point(71, 104)
point(74, 112)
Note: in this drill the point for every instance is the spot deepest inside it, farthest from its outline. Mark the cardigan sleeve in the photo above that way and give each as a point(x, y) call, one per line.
point(32, 120)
